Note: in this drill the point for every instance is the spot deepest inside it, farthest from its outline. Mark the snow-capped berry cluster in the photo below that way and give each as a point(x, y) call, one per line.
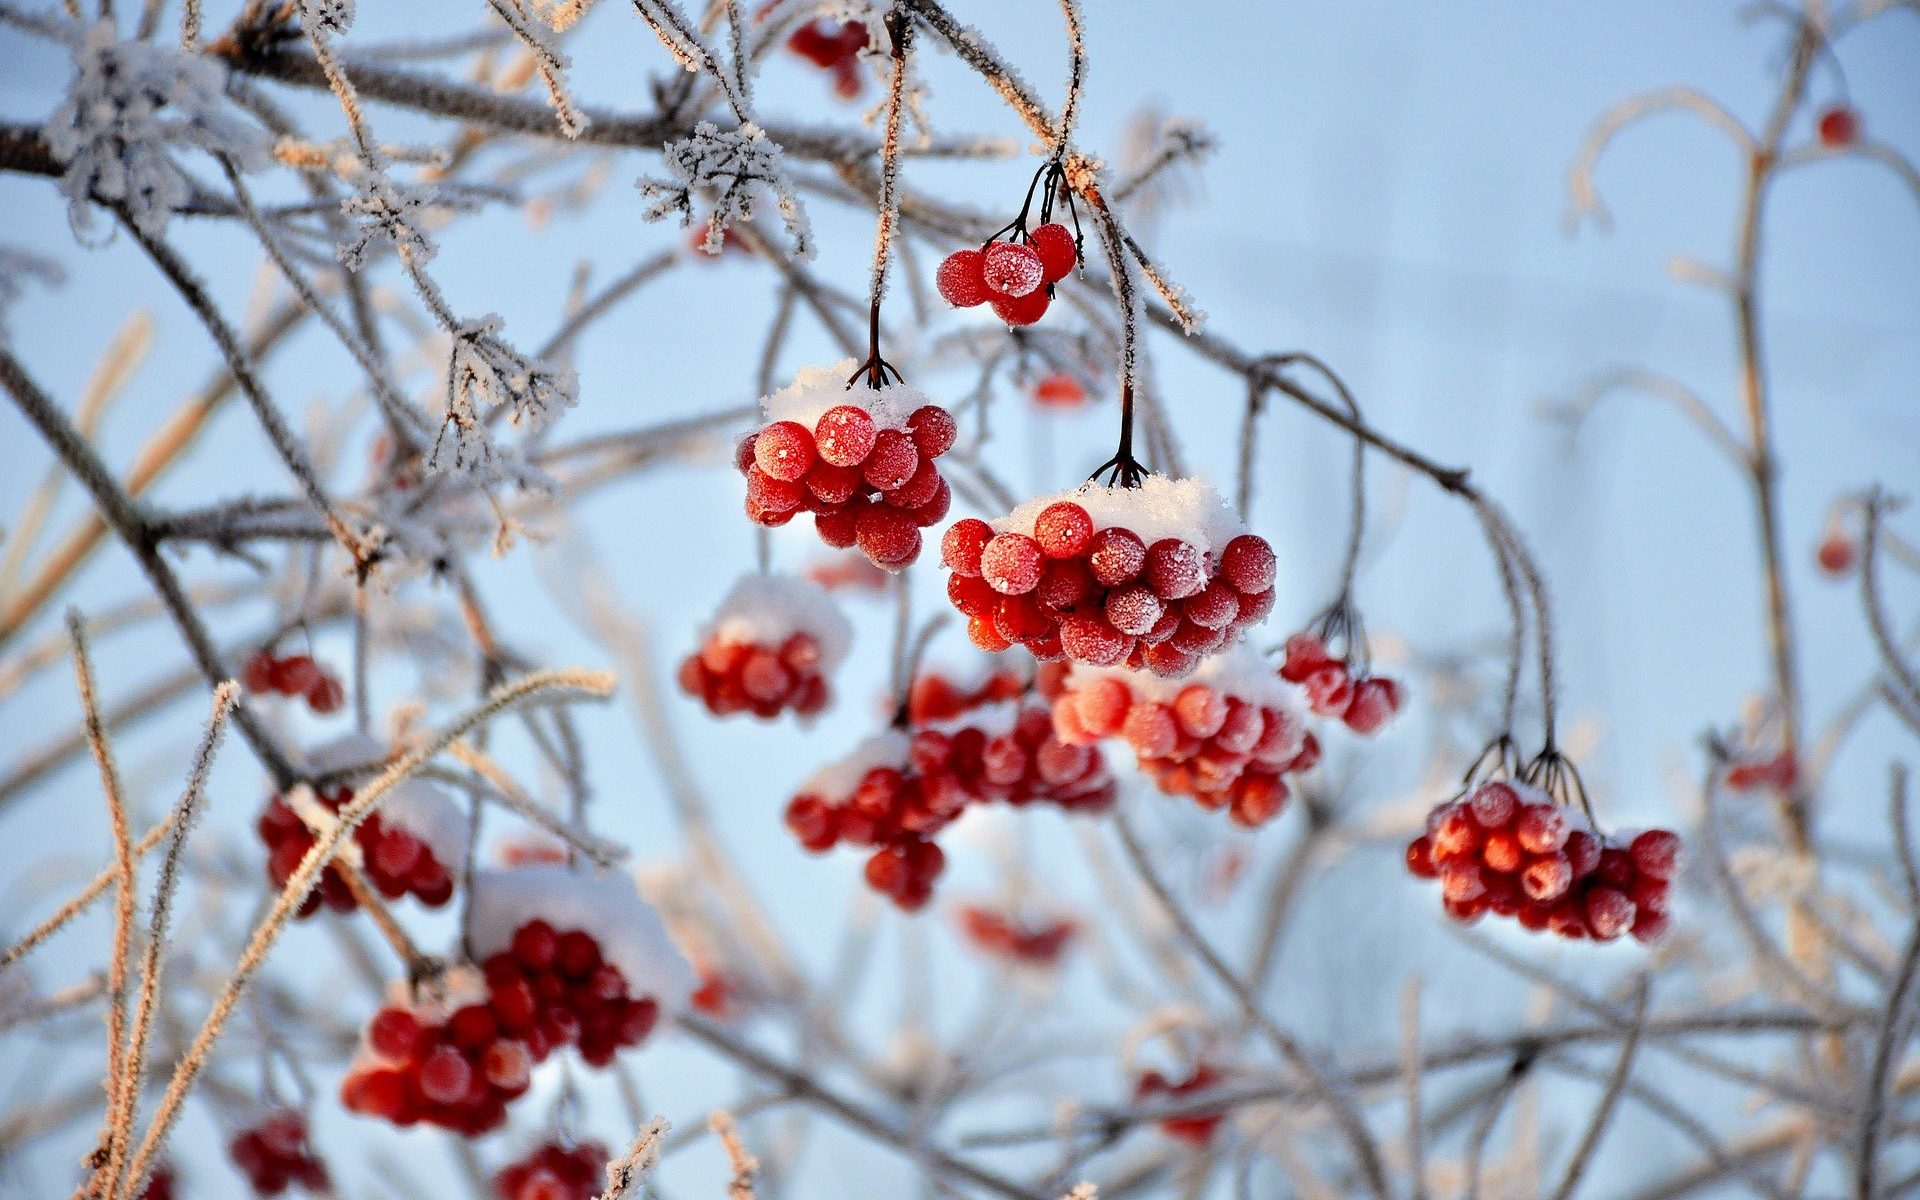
point(414, 845)
point(274, 1155)
point(1225, 736)
point(553, 1171)
point(1195, 1128)
point(834, 47)
point(1030, 944)
point(860, 459)
point(1016, 277)
point(295, 675)
point(1509, 849)
point(1364, 704)
point(874, 800)
point(567, 959)
point(1157, 576)
point(769, 649)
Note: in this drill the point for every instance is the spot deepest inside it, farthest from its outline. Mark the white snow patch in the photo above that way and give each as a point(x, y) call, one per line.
point(814, 390)
point(1191, 510)
point(604, 904)
point(426, 811)
point(837, 780)
point(766, 610)
point(347, 750)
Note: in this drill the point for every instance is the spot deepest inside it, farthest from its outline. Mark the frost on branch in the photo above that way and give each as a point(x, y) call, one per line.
point(487, 377)
point(733, 171)
point(388, 213)
point(327, 16)
point(129, 105)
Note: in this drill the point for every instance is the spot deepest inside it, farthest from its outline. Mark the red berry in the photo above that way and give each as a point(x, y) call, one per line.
point(1247, 564)
point(1547, 877)
point(1116, 556)
point(1609, 913)
point(1022, 310)
point(838, 529)
point(1375, 701)
point(893, 461)
point(535, 944)
point(1329, 690)
point(844, 435)
point(1656, 852)
point(1420, 858)
point(1012, 270)
point(933, 430)
point(1494, 805)
point(887, 536)
point(1306, 653)
point(1836, 554)
point(1175, 569)
point(1063, 529)
point(784, 450)
point(326, 695)
point(295, 675)
point(1054, 243)
point(393, 1033)
point(1091, 640)
point(1583, 853)
point(445, 1076)
point(1011, 563)
point(257, 676)
point(1213, 607)
point(1839, 126)
point(962, 279)
point(1542, 829)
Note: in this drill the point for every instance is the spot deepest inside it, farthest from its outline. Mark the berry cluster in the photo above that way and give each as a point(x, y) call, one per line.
point(1003, 936)
point(274, 1155)
point(295, 675)
point(873, 799)
point(1364, 705)
point(1225, 737)
point(412, 846)
point(456, 1068)
point(595, 977)
point(1157, 576)
point(1195, 1128)
point(1016, 277)
point(768, 650)
point(553, 1171)
point(834, 47)
point(860, 459)
point(1508, 849)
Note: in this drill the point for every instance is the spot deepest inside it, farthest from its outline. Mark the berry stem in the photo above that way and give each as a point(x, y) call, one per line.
point(876, 369)
point(1123, 469)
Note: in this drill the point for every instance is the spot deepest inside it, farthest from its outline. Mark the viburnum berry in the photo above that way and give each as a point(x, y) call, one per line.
point(962, 279)
point(1057, 250)
point(1839, 126)
point(833, 46)
point(1365, 705)
point(1508, 849)
point(1196, 1129)
point(274, 1155)
point(1011, 563)
point(554, 1171)
point(1011, 269)
point(771, 648)
point(1018, 943)
point(1838, 551)
point(860, 459)
point(1057, 390)
point(1018, 311)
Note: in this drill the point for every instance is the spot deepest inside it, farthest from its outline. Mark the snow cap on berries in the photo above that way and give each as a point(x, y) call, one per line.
point(765, 610)
point(1189, 510)
point(1238, 671)
point(604, 904)
point(814, 390)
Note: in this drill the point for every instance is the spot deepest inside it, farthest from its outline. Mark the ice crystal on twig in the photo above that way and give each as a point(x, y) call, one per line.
point(486, 377)
point(733, 171)
point(388, 213)
point(129, 105)
point(328, 16)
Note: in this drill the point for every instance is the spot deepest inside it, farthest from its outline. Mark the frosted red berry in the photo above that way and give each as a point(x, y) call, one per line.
point(1011, 270)
point(962, 279)
point(1839, 126)
point(1058, 252)
point(844, 435)
point(1018, 311)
